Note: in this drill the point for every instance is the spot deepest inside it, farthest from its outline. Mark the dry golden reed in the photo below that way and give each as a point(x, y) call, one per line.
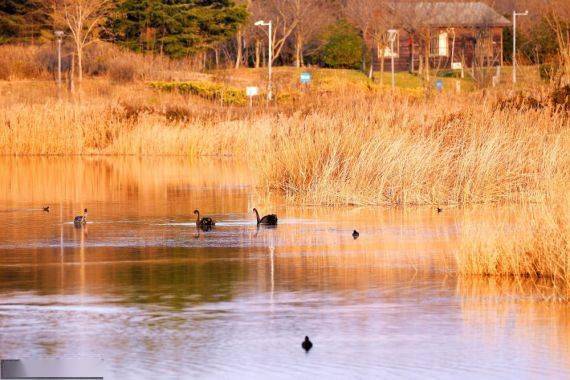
point(353, 148)
point(440, 151)
point(533, 243)
point(120, 120)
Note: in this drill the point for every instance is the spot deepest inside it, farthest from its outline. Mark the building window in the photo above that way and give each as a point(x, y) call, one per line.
point(439, 45)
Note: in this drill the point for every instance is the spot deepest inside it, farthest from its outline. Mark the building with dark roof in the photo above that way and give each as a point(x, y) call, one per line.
point(444, 35)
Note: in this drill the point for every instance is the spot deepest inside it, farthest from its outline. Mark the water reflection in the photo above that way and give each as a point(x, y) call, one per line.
point(142, 287)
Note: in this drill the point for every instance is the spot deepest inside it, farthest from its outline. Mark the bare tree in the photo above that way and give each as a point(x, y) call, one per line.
point(312, 17)
point(557, 14)
point(83, 19)
point(241, 36)
point(282, 13)
point(372, 18)
point(485, 56)
point(416, 19)
point(250, 38)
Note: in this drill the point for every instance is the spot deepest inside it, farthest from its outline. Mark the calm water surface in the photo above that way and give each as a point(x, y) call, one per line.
point(141, 288)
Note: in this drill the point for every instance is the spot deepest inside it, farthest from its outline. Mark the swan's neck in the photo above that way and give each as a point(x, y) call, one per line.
point(256, 215)
point(198, 217)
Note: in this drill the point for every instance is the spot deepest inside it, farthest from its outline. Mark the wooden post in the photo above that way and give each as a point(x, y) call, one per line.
point(257, 53)
point(71, 74)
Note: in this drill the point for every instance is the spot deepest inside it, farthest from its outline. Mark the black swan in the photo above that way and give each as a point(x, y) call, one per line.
point(307, 345)
point(270, 220)
point(81, 219)
point(204, 222)
point(355, 234)
point(46, 209)
point(439, 209)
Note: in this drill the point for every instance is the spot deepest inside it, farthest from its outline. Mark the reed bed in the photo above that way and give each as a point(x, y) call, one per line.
point(444, 151)
point(361, 147)
point(358, 148)
point(121, 120)
point(60, 129)
point(534, 243)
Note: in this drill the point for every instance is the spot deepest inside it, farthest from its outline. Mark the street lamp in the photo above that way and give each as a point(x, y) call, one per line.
point(59, 36)
point(269, 53)
point(515, 14)
point(392, 33)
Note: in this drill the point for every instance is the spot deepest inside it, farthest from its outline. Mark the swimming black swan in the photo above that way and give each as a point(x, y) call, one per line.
point(204, 222)
point(269, 220)
point(307, 345)
point(355, 234)
point(81, 219)
point(46, 209)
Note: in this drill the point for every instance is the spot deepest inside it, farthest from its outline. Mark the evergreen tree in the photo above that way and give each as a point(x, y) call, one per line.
point(343, 47)
point(175, 27)
point(21, 19)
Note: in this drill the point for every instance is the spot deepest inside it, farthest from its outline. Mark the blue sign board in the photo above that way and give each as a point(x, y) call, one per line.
point(439, 85)
point(305, 78)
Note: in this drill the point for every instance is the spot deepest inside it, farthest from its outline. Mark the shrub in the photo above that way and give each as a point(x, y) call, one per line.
point(177, 113)
point(560, 97)
point(343, 48)
point(47, 57)
point(122, 71)
point(547, 71)
point(207, 90)
point(20, 62)
point(99, 59)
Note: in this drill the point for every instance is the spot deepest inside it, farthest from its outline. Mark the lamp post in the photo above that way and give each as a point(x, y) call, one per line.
point(515, 14)
point(269, 54)
point(392, 33)
point(59, 36)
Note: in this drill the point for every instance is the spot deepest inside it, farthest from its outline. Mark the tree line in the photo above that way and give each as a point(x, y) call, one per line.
point(334, 33)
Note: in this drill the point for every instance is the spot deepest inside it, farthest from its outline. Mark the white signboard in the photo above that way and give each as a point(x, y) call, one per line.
point(252, 91)
point(456, 65)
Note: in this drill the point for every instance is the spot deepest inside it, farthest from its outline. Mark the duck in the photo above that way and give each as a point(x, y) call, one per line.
point(307, 344)
point(203, 222)
point(355, 234)
point(80, 219)
point(268, 220)
point(46, 208)
point(439, 209)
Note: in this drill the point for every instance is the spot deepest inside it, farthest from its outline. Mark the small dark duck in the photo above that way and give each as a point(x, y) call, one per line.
point(46, 209)
point(307, 344)
point(355, 234)
point(439, 209)
point(80, 219)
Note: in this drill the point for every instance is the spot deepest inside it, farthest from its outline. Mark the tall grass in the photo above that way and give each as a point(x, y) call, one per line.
point(443, 151)
point(18, 62)
point(353, 148)
point(534, 243)
point(63, 128)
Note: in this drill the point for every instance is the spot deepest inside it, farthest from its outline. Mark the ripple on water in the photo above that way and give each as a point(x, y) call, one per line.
point(142, 287)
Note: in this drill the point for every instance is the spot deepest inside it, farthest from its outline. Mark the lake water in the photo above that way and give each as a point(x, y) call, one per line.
point(143, 289)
